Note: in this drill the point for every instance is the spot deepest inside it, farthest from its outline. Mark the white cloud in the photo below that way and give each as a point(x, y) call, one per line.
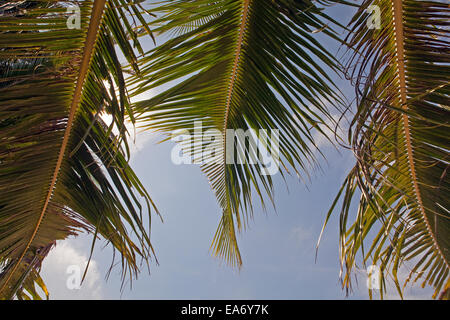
point(56, 276)
point(334, 127)
point(301, 234)
point(332, 130)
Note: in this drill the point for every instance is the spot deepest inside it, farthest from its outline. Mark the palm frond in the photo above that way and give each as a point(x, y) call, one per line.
point(400, 138)
point(62, 170)
point(240, 64)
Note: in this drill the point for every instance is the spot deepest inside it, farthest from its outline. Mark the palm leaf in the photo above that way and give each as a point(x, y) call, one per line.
point(62, 170)
point(400, 138)
point(239, 64)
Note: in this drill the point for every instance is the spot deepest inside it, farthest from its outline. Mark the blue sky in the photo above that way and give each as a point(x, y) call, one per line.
point(278, 248)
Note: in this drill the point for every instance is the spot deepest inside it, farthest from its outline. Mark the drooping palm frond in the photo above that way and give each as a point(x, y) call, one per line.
point(400, 136)
point(62, 170)
point(240, 64)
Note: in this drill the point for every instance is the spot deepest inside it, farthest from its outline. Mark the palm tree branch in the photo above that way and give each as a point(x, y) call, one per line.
point(229, 224)
point(91, 36)
point(400, 54)
point(235, 69)
point(94, 188)
point(398, 135)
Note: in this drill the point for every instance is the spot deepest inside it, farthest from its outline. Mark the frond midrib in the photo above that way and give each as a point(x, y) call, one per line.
point(237, 54)
point(400, 54)
point(91, 37)
point(229, 97)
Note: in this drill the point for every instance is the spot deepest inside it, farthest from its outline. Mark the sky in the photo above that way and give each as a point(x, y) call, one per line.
point(278, 248)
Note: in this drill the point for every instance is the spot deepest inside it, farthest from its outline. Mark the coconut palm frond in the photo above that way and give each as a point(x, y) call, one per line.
point(62, 169)
point(240, 64)
point(400, 137)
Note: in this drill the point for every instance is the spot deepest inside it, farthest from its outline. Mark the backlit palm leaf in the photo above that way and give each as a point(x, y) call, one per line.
point(240, 64)
point(400, 136)
point(61, 168)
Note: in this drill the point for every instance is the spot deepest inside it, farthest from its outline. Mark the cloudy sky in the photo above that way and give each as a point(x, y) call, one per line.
point(278, 248)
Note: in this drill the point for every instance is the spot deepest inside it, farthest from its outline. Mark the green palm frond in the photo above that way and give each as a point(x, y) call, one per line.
point(400, 137)
point(240, 64)
point(62, 169)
